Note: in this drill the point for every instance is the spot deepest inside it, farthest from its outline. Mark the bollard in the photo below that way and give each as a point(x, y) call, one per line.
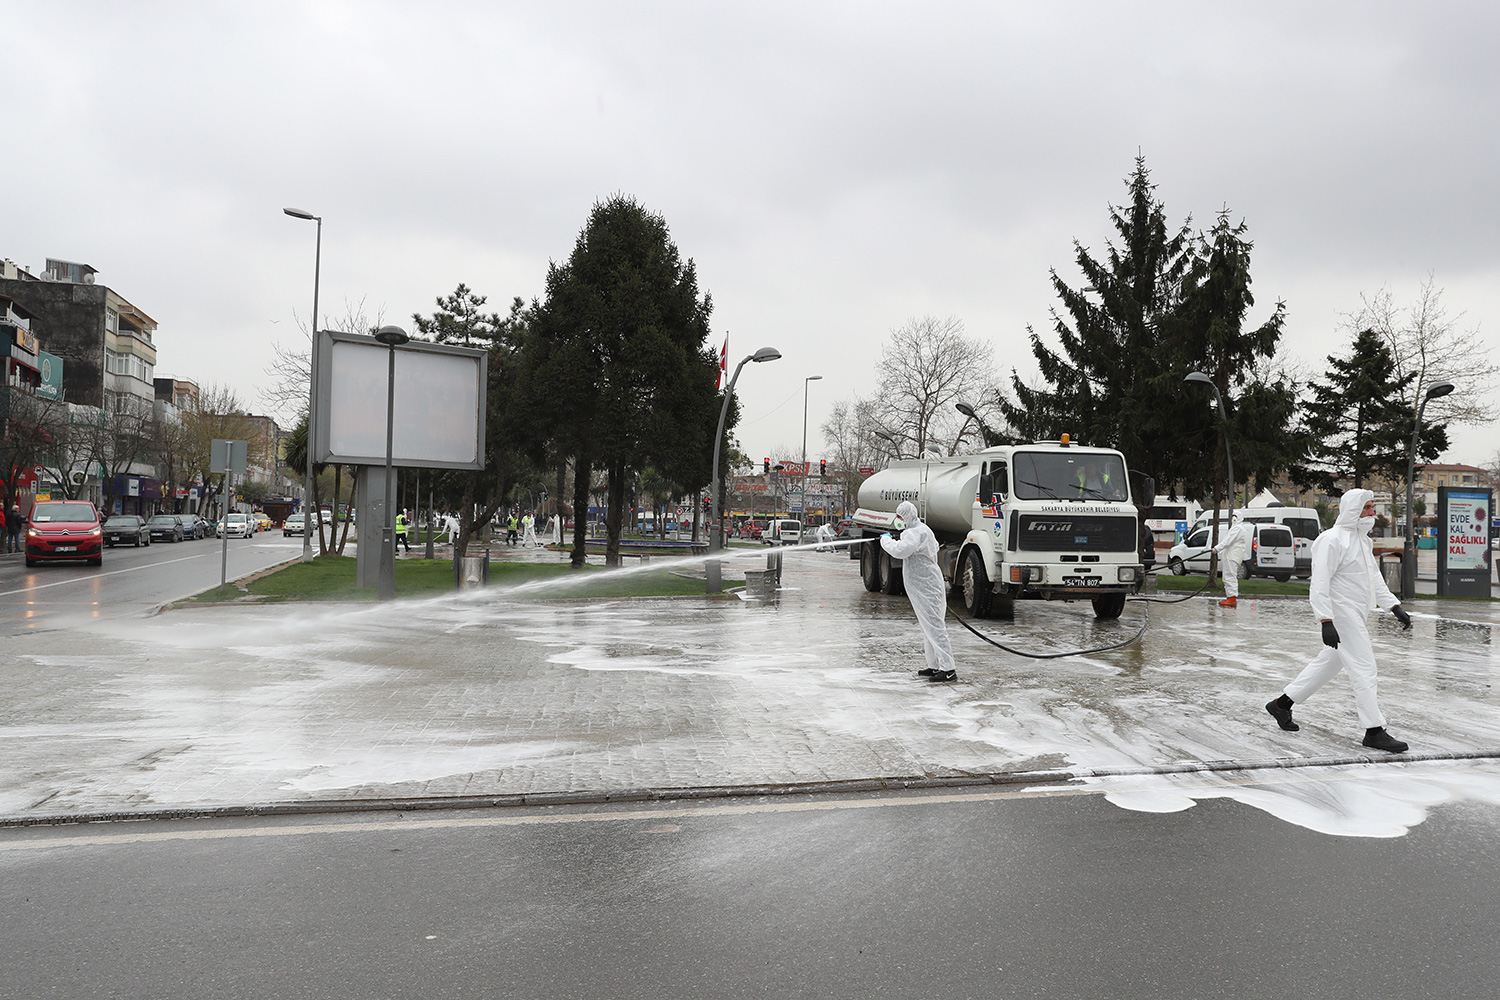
point(713, 577)
point(773, 565)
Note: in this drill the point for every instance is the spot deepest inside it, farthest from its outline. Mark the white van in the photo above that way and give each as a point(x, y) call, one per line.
point(783, 531)
point(1272, 552)
point(1304, 524)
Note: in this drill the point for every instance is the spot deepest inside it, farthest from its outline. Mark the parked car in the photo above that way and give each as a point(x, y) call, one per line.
point(784, 531)
point(1304, 525)
point(753, 529)
point(64, 529)
point(295, 524)
point(126, 529)
point(191, 530)
point(1272, 552)
point(165, 527)
point(236, 525)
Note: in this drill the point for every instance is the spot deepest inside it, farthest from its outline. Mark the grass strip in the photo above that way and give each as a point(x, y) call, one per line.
point(332, 578)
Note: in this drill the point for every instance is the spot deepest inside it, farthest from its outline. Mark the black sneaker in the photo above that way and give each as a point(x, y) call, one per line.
point(928, 671)
point(943, 676)
point(1379, 739)
point(1283, 716)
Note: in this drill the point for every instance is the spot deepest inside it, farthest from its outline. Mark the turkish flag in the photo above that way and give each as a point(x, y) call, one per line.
point(723, 362)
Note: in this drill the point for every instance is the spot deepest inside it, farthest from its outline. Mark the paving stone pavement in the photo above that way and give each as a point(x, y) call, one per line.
point(490, 695)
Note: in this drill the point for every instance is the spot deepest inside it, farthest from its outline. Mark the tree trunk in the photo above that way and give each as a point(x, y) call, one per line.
point(614, 520)
point(583, 472)
point(353, 490)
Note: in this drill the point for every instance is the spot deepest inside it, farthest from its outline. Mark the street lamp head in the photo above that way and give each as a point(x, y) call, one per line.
point(298, 213)
point(1198, 377)
point(1439, 389)
point(391, 336)
point(812, 378)
point(765, 354)
point(965, 409)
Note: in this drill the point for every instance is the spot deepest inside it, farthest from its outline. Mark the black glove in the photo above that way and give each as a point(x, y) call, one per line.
point(1330, 635)
point(1402, 617)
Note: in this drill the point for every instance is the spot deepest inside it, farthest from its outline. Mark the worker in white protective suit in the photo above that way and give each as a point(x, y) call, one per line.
point(824, 535)
point(1233, 550)
point(1345, 580)
point(528, 532)
point(917, 548)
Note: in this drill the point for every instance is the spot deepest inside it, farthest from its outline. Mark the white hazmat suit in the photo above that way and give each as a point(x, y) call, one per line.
point(917, 548)
point(1345, 583)
point(1233, 550)
point(824, 535)
point(528, 531)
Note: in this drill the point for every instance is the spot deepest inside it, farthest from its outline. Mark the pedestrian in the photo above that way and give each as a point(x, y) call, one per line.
point(1233, 550)
point(510, 529)
point(1345, 578)
point(403, 526)
point(917, 548)
point(13, 524)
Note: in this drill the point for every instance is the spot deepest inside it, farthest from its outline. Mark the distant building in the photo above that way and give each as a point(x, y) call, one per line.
point(105, 342)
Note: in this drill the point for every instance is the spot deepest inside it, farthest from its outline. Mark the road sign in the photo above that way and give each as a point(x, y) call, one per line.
point(867, 470)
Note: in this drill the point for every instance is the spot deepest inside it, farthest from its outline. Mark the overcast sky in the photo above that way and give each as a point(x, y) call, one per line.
point(833, 169)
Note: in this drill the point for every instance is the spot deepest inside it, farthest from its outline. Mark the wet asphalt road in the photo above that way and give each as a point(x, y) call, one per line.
point(132, 581)
point(909, 896)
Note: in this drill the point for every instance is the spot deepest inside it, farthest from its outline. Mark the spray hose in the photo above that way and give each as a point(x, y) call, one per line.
point(1145, 621)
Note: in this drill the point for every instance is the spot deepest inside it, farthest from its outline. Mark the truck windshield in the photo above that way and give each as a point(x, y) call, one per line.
point(1069, 475)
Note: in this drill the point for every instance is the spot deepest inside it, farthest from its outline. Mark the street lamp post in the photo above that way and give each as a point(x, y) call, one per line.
point(764, 354)
point(894, 443)
point(1409, 548)
point(392, 337)
point(810, 378)
point(312, 385)
point(1224, 433)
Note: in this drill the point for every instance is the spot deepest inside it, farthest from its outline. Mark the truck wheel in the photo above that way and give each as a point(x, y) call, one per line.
point(869, 566)
point(890, 576)
point(975, 585)
point(1109, 606)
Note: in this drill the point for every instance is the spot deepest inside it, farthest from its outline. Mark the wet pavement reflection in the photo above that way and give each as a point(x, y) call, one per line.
point(501, 693)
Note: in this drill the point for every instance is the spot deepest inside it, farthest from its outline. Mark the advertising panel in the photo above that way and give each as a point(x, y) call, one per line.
point(51, 368)
point(439, 403)
point(1467, 527)
point(1464, 542)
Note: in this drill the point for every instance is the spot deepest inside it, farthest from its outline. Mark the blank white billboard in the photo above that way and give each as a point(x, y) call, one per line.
point(440, 403)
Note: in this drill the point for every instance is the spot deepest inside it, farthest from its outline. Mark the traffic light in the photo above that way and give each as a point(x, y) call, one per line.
point(822, 466)
point(768, 465)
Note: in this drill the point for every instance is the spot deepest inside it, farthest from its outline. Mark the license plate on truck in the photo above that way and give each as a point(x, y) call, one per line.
point(1083, 581)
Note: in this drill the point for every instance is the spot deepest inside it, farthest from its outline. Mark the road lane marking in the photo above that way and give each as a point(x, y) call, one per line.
point(216, 554)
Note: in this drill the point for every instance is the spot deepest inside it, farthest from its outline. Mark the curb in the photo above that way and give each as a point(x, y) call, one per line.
point(849, 786)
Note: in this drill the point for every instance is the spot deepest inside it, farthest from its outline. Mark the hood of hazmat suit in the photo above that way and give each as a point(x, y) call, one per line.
point(917, 548)
point(1346, 582)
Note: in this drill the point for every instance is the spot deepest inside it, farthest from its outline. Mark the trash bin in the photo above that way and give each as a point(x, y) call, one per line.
point(1390, 568)
point(760, 584)
point(471, 572)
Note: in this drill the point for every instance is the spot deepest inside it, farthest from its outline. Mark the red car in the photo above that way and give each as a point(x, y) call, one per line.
point(64, 529)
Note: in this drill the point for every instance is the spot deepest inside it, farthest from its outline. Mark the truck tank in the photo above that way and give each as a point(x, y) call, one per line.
point(943, 490)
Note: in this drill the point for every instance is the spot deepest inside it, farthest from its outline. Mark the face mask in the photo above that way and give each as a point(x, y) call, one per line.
point(899, 524)
point(1367, 524)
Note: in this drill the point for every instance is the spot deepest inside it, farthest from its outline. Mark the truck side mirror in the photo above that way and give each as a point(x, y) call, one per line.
point(986, 489)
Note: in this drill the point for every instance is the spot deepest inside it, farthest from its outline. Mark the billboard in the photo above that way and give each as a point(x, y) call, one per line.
point(51, 368)
point(1464, 555)
point(439, 403)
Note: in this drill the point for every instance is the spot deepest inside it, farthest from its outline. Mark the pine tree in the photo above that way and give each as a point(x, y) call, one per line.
point(1358, 421)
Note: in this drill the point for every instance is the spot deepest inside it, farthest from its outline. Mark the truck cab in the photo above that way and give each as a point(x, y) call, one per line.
point(1049, 520)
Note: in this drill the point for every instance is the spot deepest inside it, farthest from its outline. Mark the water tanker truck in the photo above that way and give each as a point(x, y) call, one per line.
point(1051, 520)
